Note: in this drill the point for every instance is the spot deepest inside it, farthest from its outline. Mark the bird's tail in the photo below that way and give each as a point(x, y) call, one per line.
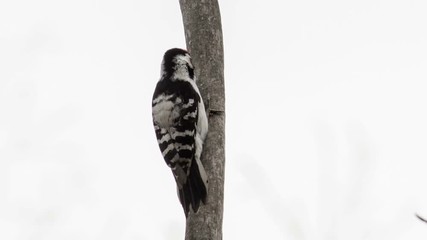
point(195, 189)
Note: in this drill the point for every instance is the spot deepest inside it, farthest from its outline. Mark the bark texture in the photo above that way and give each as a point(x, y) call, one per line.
point(203, 34)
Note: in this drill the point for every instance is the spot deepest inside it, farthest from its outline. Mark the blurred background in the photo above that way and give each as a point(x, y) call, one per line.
point(326, 120)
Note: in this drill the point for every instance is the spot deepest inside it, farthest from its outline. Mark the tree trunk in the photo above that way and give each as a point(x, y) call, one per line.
point(203, 34)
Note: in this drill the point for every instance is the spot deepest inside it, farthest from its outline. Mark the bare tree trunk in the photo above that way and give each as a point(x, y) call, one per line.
point(203, 34)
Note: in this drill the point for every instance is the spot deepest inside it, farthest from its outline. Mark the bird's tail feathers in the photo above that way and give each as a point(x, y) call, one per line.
point(195, 188)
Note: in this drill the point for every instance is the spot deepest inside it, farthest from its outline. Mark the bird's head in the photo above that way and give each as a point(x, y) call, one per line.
point(177, 64)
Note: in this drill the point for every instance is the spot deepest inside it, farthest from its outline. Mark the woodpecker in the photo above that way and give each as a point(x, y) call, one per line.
point(181, 125)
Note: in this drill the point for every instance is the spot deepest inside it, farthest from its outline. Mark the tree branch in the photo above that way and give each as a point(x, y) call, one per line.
point(422, 219)
point(203, 34)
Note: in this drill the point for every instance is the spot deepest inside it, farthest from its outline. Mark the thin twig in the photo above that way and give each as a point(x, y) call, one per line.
point(422, 219)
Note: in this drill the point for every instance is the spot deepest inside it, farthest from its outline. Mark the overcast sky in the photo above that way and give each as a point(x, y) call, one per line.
point(326, 120)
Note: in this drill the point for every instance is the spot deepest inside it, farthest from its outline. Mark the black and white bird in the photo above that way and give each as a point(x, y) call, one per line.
point(181, 125)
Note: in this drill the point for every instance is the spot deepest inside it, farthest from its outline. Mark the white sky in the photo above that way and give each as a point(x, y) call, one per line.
point(326, 120)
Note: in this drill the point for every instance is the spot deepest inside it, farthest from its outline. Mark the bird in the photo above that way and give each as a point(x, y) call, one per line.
point(181, 125)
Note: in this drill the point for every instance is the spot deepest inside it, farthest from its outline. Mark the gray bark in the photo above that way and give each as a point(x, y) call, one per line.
point(203, 34)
